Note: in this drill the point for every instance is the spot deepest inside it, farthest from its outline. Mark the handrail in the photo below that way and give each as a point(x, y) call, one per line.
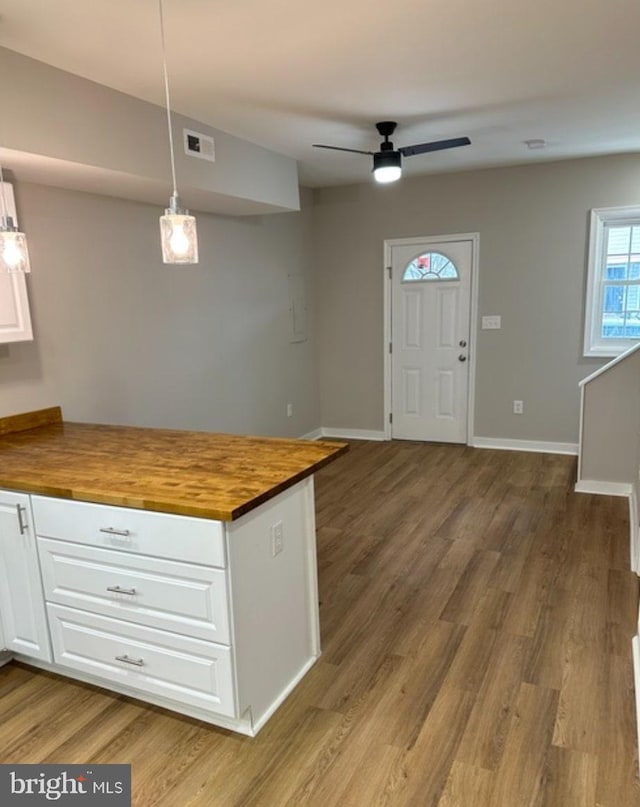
point(609, 365)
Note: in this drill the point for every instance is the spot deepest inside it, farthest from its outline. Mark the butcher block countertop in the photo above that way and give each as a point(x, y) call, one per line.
point(217, 476)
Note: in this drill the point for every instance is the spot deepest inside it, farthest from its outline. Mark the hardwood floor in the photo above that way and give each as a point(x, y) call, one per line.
point(476, 620)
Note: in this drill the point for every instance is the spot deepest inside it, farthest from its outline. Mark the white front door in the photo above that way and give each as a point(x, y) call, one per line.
point(430, 316)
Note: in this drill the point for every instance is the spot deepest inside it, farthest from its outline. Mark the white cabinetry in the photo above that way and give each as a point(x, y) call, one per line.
point(196, 615)
point(21, 602)
point(152, 662)
point(5, 655)
point(140, 600)
point(15, 319)
point(3, 644)
point(155, 592)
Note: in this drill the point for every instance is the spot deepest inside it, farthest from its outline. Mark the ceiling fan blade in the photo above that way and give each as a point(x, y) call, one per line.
point(339, 148)
point(437, 145)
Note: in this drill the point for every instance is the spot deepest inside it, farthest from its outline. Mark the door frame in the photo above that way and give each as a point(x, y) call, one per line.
point(473, 319)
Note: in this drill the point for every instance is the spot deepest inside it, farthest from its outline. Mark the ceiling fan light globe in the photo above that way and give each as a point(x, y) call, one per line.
point(387, 173)
point(387, 166)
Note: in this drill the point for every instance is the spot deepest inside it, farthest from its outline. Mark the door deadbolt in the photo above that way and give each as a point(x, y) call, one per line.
point(462, 358)
point(462, 343)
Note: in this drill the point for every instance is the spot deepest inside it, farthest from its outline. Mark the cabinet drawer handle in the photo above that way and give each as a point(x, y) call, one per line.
point(137, 662)
point(21, 524)
point(119, 590)
point(114, 531)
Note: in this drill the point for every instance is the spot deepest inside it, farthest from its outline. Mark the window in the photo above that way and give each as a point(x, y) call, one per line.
point(612, 320)
point(430, 266)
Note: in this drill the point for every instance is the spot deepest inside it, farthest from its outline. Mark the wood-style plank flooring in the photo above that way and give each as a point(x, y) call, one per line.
point(476, 623)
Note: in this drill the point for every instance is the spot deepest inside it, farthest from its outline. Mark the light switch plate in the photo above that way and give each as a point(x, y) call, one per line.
point(493, 322)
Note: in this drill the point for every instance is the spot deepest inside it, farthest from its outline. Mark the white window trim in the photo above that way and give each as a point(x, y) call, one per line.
point(594, 345)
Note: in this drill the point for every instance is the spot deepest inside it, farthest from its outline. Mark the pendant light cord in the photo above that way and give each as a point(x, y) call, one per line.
point(167, 99)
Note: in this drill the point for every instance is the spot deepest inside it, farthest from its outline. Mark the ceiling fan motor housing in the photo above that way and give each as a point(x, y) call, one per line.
point(387, 157)
point(386, 128)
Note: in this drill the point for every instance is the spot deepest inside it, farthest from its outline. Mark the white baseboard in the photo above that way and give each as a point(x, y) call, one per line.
point(537, 446)
point(316, 434)
point(505, 444)
point(345, 434)
point(603, 488)
point(354, 434)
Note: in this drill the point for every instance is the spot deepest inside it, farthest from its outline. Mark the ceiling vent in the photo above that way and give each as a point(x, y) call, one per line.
point(200, 145)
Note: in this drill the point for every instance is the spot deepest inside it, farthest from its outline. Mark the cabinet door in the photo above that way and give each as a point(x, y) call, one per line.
point(21, 599)
point(15, 319)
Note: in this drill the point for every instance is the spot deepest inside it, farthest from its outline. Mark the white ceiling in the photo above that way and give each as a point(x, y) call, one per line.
point(289, 73)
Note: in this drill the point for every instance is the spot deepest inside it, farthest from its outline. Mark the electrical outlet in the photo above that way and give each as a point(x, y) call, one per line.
point(518, 407)
point(289, 410)
point(277, 538)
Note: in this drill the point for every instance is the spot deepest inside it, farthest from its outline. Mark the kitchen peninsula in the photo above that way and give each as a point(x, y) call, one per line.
point(173, 566)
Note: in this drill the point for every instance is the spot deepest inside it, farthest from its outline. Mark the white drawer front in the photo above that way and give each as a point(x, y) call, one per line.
point(159, 593)
point(186, 670)
point(194, 540)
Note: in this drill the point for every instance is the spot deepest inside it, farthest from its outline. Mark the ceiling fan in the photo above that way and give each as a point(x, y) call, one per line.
point(387, 162)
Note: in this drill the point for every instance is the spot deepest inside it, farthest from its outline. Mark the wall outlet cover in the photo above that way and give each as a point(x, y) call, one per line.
point(277, 538)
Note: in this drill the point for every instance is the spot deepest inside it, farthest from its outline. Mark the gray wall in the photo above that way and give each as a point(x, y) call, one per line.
point(121, 338)
point(611, 422)
point(533, 223)
point(65, 130)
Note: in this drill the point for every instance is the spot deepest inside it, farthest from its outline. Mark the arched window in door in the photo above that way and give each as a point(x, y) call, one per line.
point(430, 266)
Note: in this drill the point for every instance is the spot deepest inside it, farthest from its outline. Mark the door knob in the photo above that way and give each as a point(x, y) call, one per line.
point(462, 343)
point(462, 358)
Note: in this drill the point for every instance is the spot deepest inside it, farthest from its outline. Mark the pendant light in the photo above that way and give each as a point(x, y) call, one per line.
point(178, 233)
point(14, 254)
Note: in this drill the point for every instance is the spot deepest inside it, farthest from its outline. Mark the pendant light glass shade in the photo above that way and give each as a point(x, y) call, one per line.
point(14, 253)
point(178, 233)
